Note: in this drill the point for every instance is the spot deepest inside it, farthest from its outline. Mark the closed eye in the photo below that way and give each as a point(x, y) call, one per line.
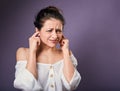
point(58, 30)
point(49, 30)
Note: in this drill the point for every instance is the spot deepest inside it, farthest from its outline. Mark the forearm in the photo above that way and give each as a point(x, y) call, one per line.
point(31, 64)
point(68, 68)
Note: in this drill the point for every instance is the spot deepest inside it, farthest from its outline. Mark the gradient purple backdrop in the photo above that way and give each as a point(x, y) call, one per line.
point(92, 26)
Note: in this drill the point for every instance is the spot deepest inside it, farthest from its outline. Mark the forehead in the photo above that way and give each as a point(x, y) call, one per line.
point(53, 23)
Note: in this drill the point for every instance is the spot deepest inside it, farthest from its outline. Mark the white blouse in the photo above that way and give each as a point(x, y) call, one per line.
point(50, 77)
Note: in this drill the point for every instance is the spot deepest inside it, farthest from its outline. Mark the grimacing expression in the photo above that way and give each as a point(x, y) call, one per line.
point(51, 32)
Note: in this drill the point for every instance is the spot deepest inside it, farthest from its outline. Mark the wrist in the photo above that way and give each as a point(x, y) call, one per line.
point(32, 59)
point(32, 51)
point(32, 54)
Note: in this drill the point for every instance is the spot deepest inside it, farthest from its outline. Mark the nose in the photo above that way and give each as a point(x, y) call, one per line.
point(54, 35)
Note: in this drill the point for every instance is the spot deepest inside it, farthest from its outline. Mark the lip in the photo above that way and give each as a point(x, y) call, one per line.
point(54, 41)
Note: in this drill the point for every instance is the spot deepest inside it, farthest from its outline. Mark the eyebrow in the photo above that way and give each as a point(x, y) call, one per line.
point(55, 29)
point(59, 29)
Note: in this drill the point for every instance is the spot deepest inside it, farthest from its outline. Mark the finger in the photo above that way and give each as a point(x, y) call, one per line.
point(62, 42)
point(61, 39)
point(35, 34)
point(37, 40)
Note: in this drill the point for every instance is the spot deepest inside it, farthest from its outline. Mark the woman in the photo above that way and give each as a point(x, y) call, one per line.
point(44, 66)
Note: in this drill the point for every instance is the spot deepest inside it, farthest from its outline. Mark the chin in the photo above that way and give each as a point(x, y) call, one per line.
point(52, 45)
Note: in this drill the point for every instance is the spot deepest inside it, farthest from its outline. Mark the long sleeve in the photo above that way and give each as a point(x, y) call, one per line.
point(73, 84)
point(24, 79)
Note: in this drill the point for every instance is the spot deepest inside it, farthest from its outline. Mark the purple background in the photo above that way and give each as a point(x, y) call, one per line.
point(92, 26)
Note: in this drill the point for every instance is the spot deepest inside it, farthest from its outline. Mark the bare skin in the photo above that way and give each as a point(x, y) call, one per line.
point(42, 48)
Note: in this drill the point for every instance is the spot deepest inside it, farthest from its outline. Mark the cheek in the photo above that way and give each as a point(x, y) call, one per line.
point(60, 36)
point(45, 37)
point(42, 36)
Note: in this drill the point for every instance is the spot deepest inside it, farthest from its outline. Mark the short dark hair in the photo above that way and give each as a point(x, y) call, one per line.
point(47, 13)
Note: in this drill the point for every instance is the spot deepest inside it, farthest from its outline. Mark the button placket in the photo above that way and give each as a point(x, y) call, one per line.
point(51, 73)
point(51, 67)
point(52, 86)
point(51, 76)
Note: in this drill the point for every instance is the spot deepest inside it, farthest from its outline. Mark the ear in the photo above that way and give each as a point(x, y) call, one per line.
point(63, 37)
point(36, 29)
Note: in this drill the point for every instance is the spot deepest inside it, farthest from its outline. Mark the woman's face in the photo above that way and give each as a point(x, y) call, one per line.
point(51, 32)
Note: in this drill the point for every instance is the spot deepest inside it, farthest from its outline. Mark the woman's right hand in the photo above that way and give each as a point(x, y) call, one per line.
point(34, 41)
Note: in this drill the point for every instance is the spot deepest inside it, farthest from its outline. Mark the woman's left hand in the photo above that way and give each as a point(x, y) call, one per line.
point(64, 44)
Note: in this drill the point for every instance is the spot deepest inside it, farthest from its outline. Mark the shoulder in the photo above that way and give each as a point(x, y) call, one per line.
point(21, 53)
